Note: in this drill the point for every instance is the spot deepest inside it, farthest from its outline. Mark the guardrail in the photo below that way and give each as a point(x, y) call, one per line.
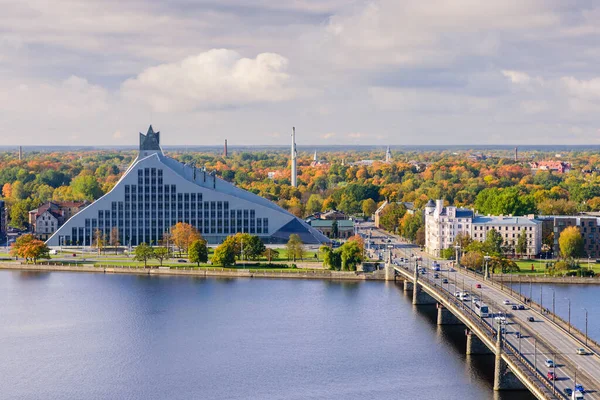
point(520, 363)
point(592, 345)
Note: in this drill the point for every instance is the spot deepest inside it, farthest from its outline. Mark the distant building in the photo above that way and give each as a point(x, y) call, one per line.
point(157, 191)
point(410, 208)
point(333, 215)
point(443, 224)
point(588, 225)
point(47, 218)
point(555, 166)
point(325, 226)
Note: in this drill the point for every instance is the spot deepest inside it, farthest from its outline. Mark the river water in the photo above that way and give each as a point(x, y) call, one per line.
point(96, 336)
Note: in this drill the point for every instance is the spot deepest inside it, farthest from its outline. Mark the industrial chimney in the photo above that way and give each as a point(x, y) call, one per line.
point(225, 149)
point(294, 174)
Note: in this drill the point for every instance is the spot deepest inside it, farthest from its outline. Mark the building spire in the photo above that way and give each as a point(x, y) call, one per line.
point(294, 172)
point(388, 155)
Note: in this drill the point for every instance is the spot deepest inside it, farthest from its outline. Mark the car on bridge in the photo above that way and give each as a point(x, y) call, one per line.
point(506, 302)
point(551, 375)
point(445, 280)
point(521, 307)
point(581, 351)
point(514, 307)
point(531, 319)
point(568, 391)
point(549, 363)
point(579, 388)
point(478, 286)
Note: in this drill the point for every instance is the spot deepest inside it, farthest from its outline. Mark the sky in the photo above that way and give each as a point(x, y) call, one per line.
point(97, 72)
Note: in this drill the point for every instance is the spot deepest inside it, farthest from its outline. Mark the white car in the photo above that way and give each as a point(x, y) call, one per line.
point(506, 302)
point(581, 351)
point(549, 363)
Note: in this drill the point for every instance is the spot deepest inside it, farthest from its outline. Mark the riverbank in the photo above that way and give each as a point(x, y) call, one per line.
point(563, 280)
point(203, 272)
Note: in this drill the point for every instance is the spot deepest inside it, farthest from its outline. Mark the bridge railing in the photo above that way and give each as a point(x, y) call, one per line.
point(546, 313)
point(525, 367)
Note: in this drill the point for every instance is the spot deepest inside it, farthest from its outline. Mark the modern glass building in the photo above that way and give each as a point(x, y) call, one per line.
point(156, 192)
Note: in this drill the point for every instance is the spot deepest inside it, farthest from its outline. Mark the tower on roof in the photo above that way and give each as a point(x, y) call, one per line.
point(150, 142)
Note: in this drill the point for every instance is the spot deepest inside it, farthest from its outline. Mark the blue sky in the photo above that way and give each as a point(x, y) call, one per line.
point(380, 72)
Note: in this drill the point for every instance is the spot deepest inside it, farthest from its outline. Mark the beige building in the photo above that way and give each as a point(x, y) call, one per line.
point(510, 228)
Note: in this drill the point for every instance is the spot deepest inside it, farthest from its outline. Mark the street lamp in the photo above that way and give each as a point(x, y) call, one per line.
point(486, 273)
point(586, 324)
point(553, 305)
point(457, 248)
point(569, 300)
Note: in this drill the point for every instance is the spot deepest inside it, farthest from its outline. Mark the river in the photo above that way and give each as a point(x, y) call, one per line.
point(95, 336)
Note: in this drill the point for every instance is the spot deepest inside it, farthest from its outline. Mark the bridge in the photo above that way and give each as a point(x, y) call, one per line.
point(521, 343)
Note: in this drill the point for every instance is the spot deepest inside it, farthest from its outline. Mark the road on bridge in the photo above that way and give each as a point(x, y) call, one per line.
point(538, 341)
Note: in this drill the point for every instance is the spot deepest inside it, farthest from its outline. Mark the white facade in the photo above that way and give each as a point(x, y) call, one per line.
point(510, 228)
point(46, 223)
point(156, 192)
point(443, 224)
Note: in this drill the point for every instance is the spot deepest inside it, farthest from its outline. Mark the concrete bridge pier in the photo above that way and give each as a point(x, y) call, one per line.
point(390, 272)
point(445, 316)
point(504, 378)
point(420, 297)
point(408, 285)
point(475, 346)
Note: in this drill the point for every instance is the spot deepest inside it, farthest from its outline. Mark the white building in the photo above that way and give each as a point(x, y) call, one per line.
point(443, 224)
point(157, 191)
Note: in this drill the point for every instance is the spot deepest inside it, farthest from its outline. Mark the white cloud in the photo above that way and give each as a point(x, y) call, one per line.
point(216, 78)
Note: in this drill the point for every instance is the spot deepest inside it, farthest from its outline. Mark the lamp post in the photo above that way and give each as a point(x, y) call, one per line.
point(541, 300)
point(535, 354)
point(486, 273)
point(586, 324)
point(530, 289)
point(569, 300)
point(457, 248)
point(520, 338)
point(553, 305)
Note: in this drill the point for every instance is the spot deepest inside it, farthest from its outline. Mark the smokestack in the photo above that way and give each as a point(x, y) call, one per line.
point(294, 174)
point(225, 150)
point(516, 154)
point(20, 153)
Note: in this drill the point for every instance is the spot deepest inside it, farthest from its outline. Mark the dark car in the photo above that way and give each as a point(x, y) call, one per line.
point(568, 391)
point(514, 307)
point(182, 260)
point(445, 280)
point(531, 319)
point(521, 307)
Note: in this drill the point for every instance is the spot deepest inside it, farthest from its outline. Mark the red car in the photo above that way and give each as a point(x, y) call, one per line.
point(551, 376)
point(478, 286)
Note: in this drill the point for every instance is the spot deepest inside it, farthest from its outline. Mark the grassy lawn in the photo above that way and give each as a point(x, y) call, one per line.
point(540, 266)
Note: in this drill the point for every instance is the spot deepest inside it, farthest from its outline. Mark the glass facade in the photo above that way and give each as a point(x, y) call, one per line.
point(152, 207)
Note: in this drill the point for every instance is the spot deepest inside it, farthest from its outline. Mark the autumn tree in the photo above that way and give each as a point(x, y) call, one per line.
point(570, 243)
point(472, 260)
point(114, 238)
point(30, 248)
point(183, 235)
point(98, 242)
point(389, 218)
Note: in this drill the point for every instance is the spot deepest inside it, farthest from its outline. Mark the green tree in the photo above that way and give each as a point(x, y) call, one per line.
point(294, 247)
point(225, 253)
point(99, 242)
point(86, 187)
point(335, 231)
point(161, 254)
point(521, 247)
point(493, 243)
point(570, 243)
point(253, 247)
point(270, 254)
point(351, 255)
point(198, 252)
point(389, 218)
point(19, 214)
point(314, 204)
point(143, 252)
point(369, 207)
